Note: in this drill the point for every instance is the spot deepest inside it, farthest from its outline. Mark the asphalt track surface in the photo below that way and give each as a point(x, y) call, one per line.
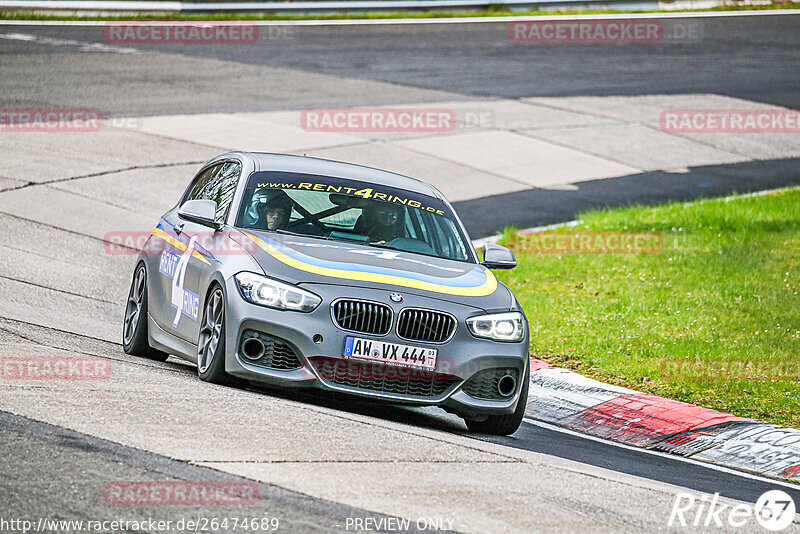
point(754, 58)
point(50, 470)
point(78, 466)
point(540, 207)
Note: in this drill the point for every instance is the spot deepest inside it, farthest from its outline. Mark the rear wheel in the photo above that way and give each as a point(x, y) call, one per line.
point(503, 425)
point(211, 342)
point(134, 331)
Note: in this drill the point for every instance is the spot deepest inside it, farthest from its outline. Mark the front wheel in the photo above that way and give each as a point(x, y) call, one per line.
point(134, 331)
point(211, 342)
point(503, 425)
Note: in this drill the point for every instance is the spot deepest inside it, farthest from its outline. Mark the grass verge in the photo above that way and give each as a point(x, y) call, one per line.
point(495, 11)
point(713, 319)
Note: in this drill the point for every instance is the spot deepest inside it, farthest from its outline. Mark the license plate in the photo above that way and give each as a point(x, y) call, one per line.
point(394, 353)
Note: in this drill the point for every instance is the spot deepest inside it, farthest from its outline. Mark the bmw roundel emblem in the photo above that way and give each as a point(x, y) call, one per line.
point(396, 297)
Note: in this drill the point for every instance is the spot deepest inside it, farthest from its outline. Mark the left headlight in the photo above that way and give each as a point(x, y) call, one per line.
point(499, 326)
point(268, 292)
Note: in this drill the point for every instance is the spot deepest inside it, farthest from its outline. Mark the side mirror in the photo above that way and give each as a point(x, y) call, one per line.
point(201, 212)
point(498, 257)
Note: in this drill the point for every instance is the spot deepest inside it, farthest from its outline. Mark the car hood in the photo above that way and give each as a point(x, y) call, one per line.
point(306, 260)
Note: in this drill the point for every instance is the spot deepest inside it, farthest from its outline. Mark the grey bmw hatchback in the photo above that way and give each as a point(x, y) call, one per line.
point(299, 272)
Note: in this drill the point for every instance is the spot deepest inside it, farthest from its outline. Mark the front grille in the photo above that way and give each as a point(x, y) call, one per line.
point(373, 376)
point(484, 384)
point(277, 353)
point(362, 316)
point(425, 325)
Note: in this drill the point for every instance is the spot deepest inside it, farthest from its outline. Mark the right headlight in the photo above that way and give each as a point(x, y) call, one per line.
point(498, 326)
point(268, 292)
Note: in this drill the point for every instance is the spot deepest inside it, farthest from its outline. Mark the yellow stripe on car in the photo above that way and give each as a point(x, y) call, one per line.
point(161, 234)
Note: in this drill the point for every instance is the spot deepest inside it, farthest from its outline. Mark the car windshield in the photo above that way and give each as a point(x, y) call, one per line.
point(346, 210)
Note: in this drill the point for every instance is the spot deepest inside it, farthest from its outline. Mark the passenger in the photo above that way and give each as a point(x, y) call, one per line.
point(381, 222)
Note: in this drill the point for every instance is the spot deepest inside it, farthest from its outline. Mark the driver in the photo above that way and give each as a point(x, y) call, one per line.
point(274, 210)
point(382, 222)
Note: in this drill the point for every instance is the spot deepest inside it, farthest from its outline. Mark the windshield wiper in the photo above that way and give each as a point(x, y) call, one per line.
point(332, 236)
point(282, 231)
point(434, 255)
point(350, 238)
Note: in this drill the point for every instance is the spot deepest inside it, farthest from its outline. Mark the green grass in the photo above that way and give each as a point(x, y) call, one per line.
point(714, 319)
point(497, 10)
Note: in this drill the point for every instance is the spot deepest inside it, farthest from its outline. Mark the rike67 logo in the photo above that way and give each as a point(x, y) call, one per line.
point(774, 511)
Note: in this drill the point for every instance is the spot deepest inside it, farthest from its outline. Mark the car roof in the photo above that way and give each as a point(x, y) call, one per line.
point(325, 167)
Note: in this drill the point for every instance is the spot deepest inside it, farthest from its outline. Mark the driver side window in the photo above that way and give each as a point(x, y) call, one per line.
point(217, 183)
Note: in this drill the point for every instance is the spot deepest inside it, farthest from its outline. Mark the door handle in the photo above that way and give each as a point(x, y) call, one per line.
point(178, 228)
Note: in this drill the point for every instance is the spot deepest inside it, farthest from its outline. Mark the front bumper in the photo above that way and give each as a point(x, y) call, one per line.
point(318, 344)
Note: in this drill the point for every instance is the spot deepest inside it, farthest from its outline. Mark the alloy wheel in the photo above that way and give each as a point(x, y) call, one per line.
point(210, 331)
point(133, 310)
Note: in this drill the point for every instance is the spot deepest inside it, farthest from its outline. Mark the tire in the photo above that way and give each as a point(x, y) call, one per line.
point(134, 326)
point(211, 341)
point(504, 425)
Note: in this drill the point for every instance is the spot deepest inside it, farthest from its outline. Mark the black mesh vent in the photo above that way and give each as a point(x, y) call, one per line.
point(365, 317)
point(383, 378)
point(484, 384)
point(425, 325)
point(277, 353)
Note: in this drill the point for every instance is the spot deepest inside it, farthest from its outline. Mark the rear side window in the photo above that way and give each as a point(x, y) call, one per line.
point(201, 185)
point(217, 183)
